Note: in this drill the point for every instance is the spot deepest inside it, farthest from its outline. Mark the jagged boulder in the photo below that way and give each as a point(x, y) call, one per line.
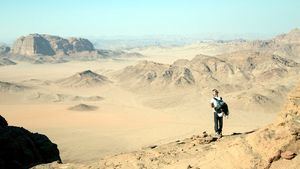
point(19, 148)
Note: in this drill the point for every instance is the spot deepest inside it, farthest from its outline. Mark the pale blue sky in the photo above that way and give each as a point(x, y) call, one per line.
point(98, 18)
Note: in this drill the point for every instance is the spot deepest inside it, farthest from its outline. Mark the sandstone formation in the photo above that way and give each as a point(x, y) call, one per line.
point(36, 44)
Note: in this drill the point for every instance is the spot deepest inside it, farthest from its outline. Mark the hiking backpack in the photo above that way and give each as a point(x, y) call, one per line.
point(221, 106)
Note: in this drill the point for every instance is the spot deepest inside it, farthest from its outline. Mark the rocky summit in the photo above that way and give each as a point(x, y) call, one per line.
point(42, 44)
point(85, 78)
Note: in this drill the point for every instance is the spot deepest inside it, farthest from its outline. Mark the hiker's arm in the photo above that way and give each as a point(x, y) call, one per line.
point(212, 105)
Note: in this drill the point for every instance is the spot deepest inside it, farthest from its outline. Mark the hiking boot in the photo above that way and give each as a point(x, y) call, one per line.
point(220, 135)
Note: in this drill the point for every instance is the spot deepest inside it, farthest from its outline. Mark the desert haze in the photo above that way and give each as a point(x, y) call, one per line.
point(148, 107)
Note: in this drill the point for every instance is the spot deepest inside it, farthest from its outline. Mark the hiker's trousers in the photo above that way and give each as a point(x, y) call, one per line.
point(218, 123)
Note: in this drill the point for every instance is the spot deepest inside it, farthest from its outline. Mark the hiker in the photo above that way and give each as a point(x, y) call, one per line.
point(220, 109)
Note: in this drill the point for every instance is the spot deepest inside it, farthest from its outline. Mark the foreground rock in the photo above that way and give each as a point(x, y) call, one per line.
point(20, 148)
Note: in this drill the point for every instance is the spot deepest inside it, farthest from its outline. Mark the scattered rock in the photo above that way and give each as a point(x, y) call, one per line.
point(181, 142)
point(288, 155)
point(189, 166)
point(209, 139)
point(152, 146)
point(275, 157)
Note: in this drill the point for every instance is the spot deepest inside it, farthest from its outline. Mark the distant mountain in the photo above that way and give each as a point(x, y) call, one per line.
point(233, 68)
point(292, 37)
point(6, 61)
point(42, 44)
point(12, 87)
point(84, 79)
point(83, 107)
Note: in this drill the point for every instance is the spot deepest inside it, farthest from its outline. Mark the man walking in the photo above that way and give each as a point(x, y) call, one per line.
point(216, 104)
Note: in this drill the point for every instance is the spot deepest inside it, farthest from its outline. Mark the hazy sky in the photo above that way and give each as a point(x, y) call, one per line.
point(97, 18)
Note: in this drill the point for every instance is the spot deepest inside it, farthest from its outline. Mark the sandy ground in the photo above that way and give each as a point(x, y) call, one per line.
point(124, 121)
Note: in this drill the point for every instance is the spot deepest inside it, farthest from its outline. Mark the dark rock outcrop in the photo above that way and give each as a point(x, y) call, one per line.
point(19, 148)
point(4, 49)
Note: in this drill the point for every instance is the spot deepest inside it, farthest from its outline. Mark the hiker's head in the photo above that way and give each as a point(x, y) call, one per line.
point(215, 92)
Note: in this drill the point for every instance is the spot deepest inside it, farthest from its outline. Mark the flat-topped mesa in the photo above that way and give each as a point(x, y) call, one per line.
point(42, 44)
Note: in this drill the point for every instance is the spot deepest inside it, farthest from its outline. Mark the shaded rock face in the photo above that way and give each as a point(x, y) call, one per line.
point(32, 45)
point(20, 148)
point(80, 45)
point(4, 49)
point(36, 44)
